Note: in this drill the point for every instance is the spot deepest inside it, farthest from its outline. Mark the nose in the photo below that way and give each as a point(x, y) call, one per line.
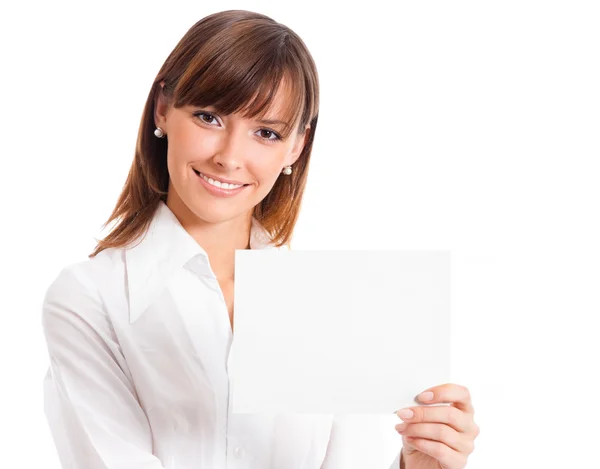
point(230, 151)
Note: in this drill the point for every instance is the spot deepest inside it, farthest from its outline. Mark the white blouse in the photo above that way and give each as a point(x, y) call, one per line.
point(139, 342)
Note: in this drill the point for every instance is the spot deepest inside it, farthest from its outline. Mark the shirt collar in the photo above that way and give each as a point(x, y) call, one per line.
point(165, 248)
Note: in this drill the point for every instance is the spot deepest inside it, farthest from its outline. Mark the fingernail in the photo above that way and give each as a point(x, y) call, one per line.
point(405, 414)
point(425, 396)
point(400, 427)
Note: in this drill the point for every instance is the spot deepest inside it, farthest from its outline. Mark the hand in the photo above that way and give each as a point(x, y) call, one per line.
point(439, 437)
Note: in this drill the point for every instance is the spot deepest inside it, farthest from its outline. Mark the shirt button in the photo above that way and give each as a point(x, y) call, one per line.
point(239, 452)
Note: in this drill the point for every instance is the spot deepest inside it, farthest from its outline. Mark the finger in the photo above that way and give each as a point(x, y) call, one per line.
point(407, 448)
point(447, 457)
point(439, 432)
point(449, 415)
point(454, 394)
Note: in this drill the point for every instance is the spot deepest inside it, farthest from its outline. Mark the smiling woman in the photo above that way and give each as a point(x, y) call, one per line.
point(139, 334)
point(237, 100)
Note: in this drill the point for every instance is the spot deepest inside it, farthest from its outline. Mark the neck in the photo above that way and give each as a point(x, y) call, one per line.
point(219, 240)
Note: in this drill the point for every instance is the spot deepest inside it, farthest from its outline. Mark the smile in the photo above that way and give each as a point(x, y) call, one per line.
point(219, 184)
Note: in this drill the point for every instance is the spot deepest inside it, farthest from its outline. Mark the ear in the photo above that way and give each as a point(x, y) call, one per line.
point(298, 146)
point(160, 108)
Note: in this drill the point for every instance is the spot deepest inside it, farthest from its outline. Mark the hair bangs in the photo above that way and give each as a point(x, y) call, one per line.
point(262, 102)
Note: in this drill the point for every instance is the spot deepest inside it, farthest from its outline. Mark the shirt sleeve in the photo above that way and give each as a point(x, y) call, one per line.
point(90, 402)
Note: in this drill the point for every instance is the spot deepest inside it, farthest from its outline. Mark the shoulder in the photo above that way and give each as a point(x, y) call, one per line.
point(83, 275)
point(74, 294)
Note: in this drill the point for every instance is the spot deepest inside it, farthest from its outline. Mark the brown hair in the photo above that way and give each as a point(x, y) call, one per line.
point(233, 60)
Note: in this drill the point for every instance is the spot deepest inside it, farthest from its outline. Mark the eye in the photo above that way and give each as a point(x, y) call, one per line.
point(270, 136)
point(205, 117)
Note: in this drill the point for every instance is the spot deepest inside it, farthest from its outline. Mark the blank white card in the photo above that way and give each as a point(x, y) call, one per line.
point(338, 331)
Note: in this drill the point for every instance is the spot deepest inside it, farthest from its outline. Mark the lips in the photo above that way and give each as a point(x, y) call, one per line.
point(219, 189)
point(220, 180)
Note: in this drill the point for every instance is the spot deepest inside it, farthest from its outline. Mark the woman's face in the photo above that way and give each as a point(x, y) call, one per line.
point(206, 149)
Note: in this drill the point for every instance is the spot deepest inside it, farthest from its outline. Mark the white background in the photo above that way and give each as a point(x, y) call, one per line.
point(470, 126)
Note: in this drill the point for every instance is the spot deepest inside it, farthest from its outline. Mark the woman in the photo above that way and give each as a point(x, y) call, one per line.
point(138, 336)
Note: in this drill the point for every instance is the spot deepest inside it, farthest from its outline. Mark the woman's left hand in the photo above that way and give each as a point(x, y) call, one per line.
point(439, 437)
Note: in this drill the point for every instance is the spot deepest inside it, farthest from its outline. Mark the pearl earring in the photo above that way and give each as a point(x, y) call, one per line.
point(287, 170)
point(159, 132)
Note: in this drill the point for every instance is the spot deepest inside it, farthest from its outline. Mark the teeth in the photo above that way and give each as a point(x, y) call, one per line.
point(222, 185)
